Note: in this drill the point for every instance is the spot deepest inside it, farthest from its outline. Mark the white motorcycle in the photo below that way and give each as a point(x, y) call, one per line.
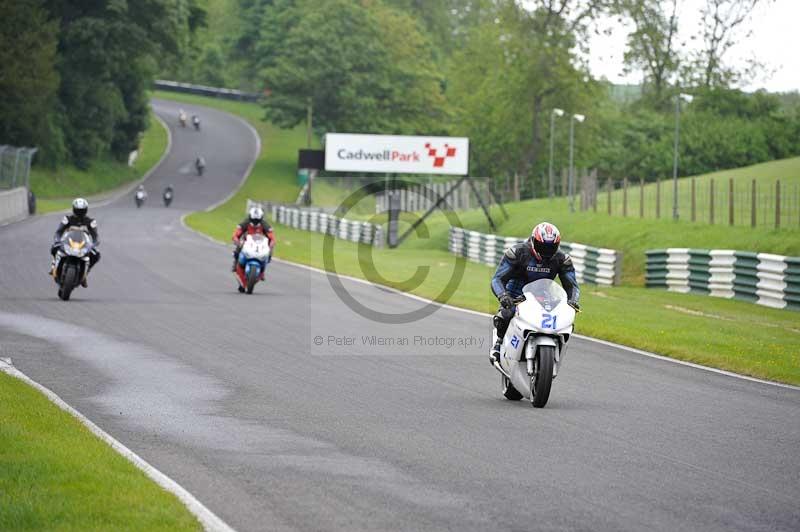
point(535, 343)
point(253, 259)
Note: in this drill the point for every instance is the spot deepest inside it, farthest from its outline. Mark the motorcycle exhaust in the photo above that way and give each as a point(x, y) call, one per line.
point(499, 368)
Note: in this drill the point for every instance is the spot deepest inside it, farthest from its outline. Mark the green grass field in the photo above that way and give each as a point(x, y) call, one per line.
point(764, 174)
point(55, 188)
point(56, 475)
point(699, 329)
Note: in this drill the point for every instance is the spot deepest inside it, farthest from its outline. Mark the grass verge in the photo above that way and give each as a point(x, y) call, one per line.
point(56, 188)
point(700, 329)
point(56, 475)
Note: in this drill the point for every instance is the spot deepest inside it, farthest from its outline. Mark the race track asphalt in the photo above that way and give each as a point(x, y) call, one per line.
point(231, 396)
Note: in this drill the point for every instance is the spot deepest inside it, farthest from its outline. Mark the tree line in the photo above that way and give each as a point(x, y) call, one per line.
point(493, 70)
point(75, 74)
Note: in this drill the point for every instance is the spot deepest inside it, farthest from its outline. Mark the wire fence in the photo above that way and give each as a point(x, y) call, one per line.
point(735, 201)
point(15, 166)
point(715, 201)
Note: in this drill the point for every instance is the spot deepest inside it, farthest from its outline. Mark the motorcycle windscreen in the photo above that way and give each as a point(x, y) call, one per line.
point(546, 292)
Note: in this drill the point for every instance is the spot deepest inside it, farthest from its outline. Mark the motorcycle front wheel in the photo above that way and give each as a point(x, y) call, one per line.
point(68, 282)
point(542, 377)
point(252, 278)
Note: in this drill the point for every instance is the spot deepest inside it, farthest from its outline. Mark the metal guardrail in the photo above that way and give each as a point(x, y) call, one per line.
point(762, 278)
point(203, 90)
point(322, 222)
point(592, 265)
point(15, 166)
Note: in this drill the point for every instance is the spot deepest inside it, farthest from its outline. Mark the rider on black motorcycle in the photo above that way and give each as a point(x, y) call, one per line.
point(536, 258)
point(79, 220)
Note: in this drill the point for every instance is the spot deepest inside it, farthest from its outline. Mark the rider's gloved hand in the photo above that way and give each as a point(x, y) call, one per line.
point(575, 305)
point(506, 301)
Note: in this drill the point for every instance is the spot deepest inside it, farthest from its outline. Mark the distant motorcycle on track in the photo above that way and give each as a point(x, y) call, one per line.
point(140, 197)
point(253, 259)
point(167, 196)
point(535, 343)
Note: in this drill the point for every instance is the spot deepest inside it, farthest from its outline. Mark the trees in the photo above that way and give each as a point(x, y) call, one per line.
point(652, 45)
point(75, 73)
point(719, 26)
point(365, 66)
point(28, 79)
point(515, 65)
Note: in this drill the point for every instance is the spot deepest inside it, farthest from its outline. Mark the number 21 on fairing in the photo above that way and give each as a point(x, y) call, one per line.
point(515, 341)
point(548, 321)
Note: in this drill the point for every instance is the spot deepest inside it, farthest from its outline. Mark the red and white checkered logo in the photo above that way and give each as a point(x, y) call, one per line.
point(439, 158)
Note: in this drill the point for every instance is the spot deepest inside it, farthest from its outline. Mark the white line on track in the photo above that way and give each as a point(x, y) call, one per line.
point(483, 314)
point(207, 518)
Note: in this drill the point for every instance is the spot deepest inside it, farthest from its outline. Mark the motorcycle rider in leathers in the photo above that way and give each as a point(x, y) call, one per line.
point(253, 224)
point(79, 220)
point(536, 258)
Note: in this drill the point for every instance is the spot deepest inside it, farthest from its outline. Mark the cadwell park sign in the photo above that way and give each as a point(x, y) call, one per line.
point(399, 154)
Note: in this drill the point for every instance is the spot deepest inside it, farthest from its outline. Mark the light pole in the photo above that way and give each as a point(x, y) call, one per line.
point(688, 99)
point(553, 114)
point(579, 118)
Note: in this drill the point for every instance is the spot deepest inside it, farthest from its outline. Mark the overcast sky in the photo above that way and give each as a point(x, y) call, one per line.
point(774, 41)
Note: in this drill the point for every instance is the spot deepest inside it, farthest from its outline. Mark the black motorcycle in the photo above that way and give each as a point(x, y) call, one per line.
point(72, 261)
point(167, 197)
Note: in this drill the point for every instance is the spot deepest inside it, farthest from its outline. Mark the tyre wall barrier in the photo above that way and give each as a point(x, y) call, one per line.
point(318, 221)
point(762, 278)
point(592, 265)
point(13, 204)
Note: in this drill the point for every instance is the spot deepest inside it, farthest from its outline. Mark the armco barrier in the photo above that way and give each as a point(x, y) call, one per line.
point(592, 265)
point(322, 222)
point(202, 90)
point(13, 204)
point(762, 278)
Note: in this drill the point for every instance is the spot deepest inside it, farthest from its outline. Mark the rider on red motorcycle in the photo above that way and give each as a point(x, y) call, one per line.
point(253, 224)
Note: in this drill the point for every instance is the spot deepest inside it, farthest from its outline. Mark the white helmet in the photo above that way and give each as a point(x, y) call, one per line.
point(256, 215)
point(80, 207)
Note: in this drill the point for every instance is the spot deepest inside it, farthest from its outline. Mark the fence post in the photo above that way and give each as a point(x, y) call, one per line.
point(516, 186)
point(730, 201)
point(641, 198)
point(694, 201)
point(753, 204)
point(625, 197)
point(608, 184)
point(658, 198)
point(777, 204)
point(711, 202)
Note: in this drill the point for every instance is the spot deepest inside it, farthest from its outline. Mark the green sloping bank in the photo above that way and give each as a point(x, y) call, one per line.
point(731, 335)
point(56, 475)
point(55, 188)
